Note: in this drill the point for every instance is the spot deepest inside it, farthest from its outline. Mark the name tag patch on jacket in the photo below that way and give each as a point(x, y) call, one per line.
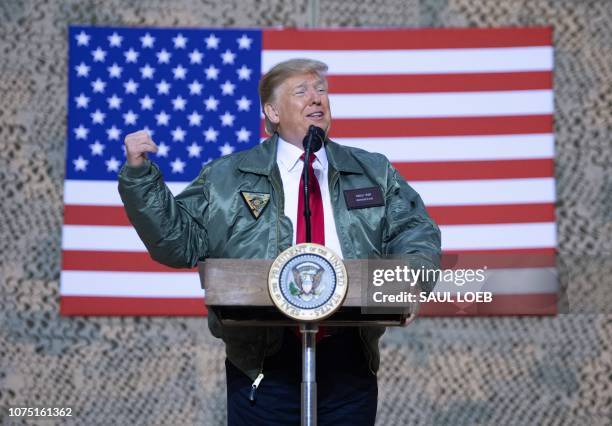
point(256, 201)
point(363, 197)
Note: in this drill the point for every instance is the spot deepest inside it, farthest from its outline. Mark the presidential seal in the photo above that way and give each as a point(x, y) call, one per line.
point(308, 282)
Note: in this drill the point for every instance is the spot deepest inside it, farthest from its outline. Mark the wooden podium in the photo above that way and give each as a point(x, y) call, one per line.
point(237, 292)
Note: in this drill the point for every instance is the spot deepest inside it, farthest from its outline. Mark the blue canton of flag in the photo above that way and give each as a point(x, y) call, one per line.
point(193, 90)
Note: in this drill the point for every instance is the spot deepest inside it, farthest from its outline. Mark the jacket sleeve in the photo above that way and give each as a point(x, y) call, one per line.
point(410, 232)
point(173, 229)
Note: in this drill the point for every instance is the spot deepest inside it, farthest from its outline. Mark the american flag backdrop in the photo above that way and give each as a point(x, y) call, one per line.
point(466, 115)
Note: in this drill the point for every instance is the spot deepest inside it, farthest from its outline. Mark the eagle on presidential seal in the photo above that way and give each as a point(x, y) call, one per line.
point(307, 281)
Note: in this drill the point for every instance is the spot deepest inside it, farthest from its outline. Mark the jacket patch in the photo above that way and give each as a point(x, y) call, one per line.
point(363, 197)
point(256, 201)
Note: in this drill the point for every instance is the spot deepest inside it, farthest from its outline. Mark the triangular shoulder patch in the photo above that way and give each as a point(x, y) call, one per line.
point(257, 202)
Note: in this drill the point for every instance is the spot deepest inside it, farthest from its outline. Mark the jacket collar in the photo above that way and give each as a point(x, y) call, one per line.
point(340, 159)
point(261, 159)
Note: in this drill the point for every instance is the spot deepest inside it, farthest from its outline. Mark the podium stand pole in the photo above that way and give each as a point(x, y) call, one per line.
point(309, 376)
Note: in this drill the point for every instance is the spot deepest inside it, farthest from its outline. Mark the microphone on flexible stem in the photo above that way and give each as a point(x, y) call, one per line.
point(312, 143)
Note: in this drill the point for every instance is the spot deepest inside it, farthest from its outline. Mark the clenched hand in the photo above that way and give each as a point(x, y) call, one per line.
point(137, 145)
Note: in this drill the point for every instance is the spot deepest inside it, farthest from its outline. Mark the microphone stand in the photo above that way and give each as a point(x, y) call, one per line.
point(309, 330)
point(306, 180)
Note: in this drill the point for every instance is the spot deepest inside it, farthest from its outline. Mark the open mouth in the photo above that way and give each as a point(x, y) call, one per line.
point(317, 114)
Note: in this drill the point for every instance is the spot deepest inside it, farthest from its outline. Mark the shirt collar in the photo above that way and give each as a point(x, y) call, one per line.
point(288, 155)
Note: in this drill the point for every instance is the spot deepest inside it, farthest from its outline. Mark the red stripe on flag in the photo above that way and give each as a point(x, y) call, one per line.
point(443, 215)
point(437, 126)
point(142, 262)
point(499, 259)
point(498, 169)
point(426, 83)
point(488, 214)
point(444, 126)
point(507, 304)
point(95, 215)
point(501, 305)
point(127, 306)
point(81, 260)
point(374, 39)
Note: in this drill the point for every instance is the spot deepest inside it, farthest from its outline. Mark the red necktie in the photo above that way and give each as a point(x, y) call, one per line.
point(317, 221)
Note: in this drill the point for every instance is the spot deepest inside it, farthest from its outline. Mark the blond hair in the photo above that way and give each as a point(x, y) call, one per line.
point(280, 72)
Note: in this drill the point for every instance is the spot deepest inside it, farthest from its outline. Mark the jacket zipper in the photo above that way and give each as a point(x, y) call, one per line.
point(260, 376)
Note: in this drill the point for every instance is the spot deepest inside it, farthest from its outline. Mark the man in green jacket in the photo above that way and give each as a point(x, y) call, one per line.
point(212, 218)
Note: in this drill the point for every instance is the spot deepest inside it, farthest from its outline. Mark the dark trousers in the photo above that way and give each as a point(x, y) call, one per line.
point(347, 391)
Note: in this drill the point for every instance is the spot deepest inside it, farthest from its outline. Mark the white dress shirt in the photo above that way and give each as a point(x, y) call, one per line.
point(290, 165)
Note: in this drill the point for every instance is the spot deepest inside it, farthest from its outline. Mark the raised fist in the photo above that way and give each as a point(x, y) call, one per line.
point(137, 145)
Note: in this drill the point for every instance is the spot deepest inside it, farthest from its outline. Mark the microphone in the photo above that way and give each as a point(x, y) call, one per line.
point(312, 143)
point(313, 139)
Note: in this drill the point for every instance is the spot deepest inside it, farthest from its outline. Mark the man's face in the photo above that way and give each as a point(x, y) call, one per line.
point(300, 101)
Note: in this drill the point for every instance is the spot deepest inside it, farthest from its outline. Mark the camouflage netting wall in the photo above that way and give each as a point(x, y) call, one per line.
point(153, 371)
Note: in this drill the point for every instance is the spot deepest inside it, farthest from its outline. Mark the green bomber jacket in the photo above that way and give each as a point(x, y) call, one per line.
point(210, 219)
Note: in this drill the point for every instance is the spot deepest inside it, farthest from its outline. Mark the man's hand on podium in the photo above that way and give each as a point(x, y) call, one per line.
point(137, 145)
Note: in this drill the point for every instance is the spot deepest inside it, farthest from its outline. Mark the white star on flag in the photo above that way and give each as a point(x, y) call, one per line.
point(194, 150)
point(163, 56)
point(131, 55)
point(244, 42)
point(163, 87)
point(177, 166)
point(227, 88)
point(226, 149)
point(228, 57)
point(147, 40)
point(99, 55)
point(211, 103)
point(179, 41)
point(194, 119)
point(82, 70)
point(179, 103)
point(80, 164)
point(98, 86)
point(82, 101)
point(244, 73)
point(81, 132)
point(243, 104)
point(211, 72)
point(114, 102)
point(82, 39)
point(195, 57)
point(114, 40)
point(147, 71)
point(97, 117)
point(146, 102)
point(162, 118)
point(178, 134)
point(112, 165)
point(114, 71)
point(211, 135)
point(96, 148)
point(130, 118)
point(243, 135)
point(227, 119)
point(179, 72)
point(212, 42)
point(130, 86)
point(113, 133)
point(162, 150)
point(195, 88)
